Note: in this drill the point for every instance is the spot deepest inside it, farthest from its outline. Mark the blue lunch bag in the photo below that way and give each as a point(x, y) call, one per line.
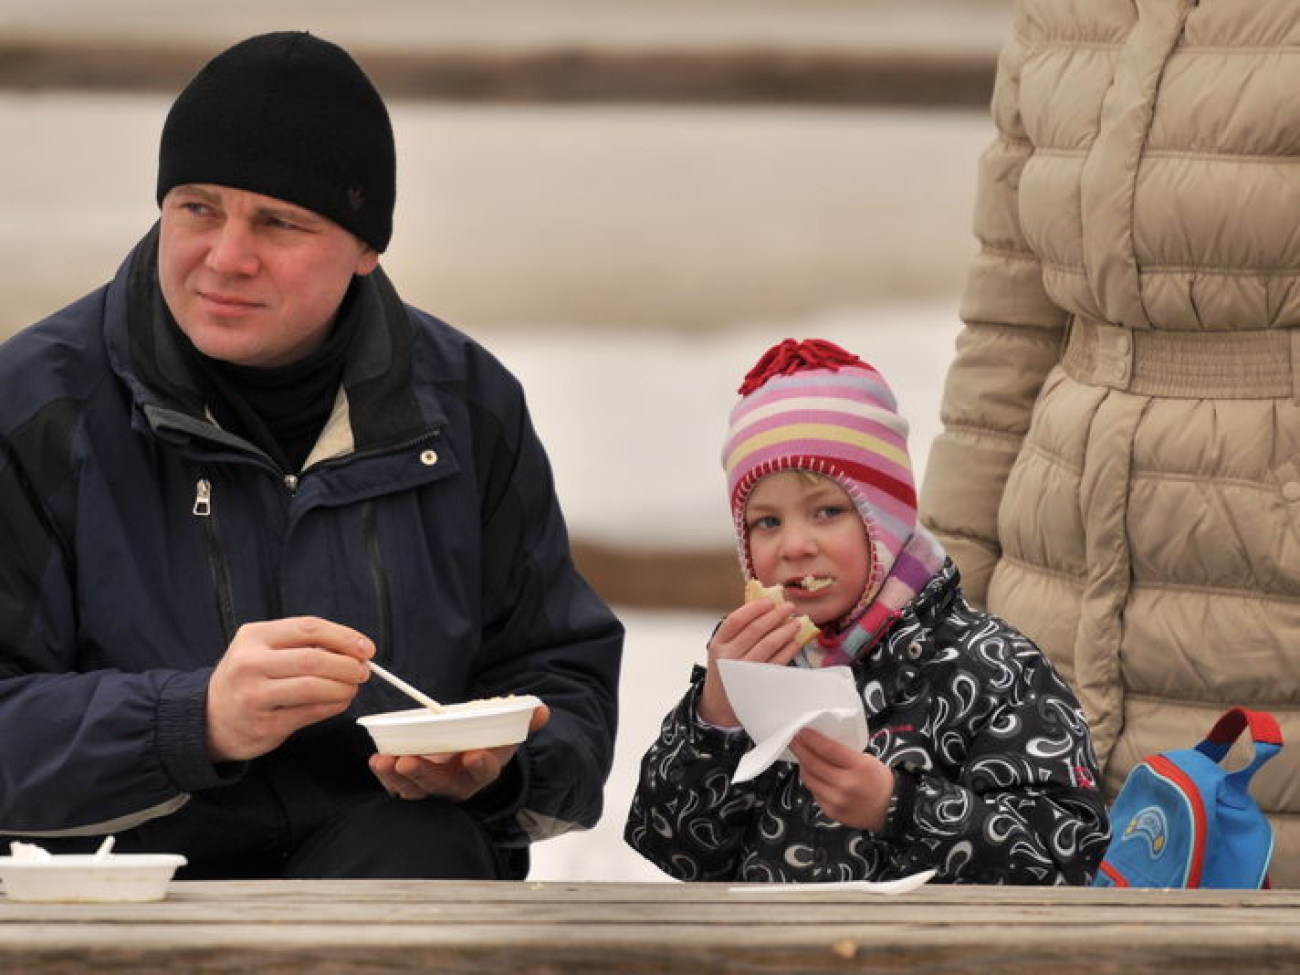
point(1183, 820)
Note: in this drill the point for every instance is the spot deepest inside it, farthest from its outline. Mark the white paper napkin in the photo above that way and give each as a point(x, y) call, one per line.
point(775, 702)
point(900, 886)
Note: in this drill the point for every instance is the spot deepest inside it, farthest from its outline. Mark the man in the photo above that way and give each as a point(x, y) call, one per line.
point(242, 469)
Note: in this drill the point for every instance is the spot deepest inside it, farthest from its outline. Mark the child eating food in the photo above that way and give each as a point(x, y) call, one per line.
point(979, 763)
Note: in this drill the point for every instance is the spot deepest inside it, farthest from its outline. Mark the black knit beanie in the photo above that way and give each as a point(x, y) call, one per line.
point(290, 116)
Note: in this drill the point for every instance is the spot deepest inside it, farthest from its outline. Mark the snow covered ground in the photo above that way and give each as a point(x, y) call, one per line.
point(634, 423)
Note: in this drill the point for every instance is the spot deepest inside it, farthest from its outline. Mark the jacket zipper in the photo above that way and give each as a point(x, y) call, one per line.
point(221, 574)
point(370, 526)
point(370, 530)
point(217, 566)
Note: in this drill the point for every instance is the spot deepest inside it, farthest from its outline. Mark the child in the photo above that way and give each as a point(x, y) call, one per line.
point(980, 763)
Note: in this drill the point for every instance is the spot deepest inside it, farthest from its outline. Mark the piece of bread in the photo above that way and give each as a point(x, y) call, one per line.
point(754, 589)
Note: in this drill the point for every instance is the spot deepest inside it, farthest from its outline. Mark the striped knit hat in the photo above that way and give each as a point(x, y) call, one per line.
point(812, 406)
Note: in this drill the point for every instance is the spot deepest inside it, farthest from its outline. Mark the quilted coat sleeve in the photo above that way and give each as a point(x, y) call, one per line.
point(1012, 338)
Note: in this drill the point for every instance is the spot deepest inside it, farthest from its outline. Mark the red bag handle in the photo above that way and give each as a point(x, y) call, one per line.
point(1263, 727)
point(1264, 731)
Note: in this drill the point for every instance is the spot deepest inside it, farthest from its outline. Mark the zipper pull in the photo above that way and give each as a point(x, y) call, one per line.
point(203, 498)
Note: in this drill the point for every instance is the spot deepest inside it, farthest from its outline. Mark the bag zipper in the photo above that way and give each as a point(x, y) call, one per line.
point(1181, 781)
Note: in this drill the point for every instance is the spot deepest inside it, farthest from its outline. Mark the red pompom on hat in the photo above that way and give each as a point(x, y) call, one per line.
point(789, 356)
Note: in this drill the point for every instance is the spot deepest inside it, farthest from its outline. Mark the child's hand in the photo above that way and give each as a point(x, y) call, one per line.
point(763, 631)
point(853, 788)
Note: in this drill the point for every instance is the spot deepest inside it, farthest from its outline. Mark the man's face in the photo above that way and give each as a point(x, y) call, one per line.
point(250, 279)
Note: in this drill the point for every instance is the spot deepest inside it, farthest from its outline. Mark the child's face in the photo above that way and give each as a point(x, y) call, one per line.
point(805, 534)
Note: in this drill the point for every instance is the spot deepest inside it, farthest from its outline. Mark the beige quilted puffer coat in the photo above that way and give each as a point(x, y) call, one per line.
point(1119, 471)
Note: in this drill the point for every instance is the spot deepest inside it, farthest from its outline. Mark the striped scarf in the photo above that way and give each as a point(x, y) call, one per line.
point(921, 557)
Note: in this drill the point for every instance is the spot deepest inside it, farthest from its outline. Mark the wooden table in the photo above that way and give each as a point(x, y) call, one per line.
point(326, 927)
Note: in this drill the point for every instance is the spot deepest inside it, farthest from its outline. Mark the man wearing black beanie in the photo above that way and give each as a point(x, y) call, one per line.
point(244, 468)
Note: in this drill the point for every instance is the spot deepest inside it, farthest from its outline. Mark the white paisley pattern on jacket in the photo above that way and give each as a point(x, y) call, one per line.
point(994, 762)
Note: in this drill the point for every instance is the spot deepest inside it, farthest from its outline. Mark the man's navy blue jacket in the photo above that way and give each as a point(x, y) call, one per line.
point(136, 536)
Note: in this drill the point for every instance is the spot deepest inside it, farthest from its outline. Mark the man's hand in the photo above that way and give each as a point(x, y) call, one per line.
point(278, 676)
point(761, 630)
point(851, 787)
point(455, 776)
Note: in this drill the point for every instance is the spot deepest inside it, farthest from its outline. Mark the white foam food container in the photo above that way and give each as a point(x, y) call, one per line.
point(81, 878)
point(487, 723)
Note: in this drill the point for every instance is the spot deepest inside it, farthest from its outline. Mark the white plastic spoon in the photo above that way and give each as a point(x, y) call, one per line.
point(404, 687)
